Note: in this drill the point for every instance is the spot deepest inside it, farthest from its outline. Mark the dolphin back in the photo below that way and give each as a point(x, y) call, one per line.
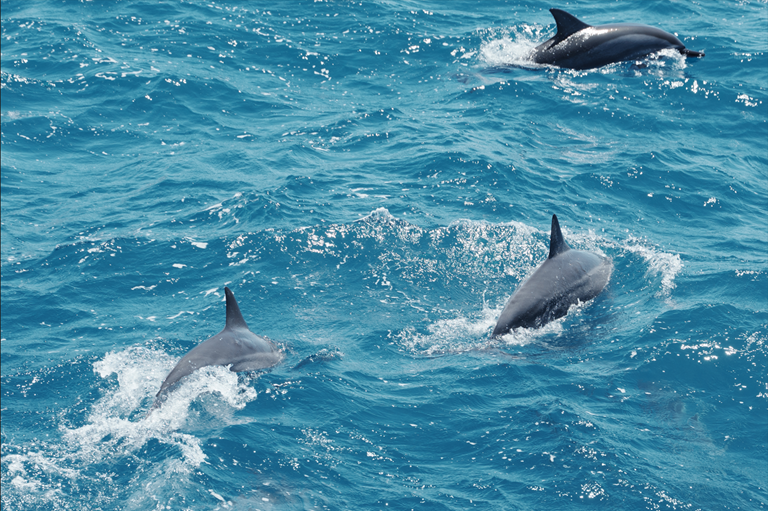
point(235, 346)
point(577, 45)
point(564, 279)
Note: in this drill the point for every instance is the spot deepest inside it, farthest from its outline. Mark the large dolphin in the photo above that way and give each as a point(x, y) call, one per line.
point(235, 346)
point(565, 278)
point(577, 45)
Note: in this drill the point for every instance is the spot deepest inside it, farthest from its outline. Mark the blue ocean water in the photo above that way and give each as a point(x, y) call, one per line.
point(373, 180)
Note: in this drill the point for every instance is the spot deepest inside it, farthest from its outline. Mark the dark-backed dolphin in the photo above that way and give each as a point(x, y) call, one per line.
point(577, 45)
point(565, 278)
point(235, 346)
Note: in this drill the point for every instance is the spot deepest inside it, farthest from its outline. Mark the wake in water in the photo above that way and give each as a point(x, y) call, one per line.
point(466, 334)
point(117, 431)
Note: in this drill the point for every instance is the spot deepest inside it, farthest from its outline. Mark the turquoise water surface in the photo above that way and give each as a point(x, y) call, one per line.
point(373, 180)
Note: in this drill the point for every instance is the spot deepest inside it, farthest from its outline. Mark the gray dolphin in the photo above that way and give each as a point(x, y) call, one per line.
point(577, 45)
point(236, 345)
point(566, 277)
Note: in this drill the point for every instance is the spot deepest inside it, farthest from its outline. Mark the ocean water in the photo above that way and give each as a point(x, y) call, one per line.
point(373, 180)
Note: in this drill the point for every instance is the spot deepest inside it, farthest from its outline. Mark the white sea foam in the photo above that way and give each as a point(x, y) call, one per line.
point(383, 223)
point(118, 426)
point(111, 430)
point(113, 427)
point(506, 51)
point(462, 334)
point(512, 48)
point(659, 263)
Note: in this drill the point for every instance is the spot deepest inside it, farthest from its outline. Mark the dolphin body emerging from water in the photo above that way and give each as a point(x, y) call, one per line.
point(577, 45)
point(235, 346)
point(565, 278)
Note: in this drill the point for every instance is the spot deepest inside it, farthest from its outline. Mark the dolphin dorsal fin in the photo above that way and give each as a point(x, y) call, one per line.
point(234, 317)
point(557, 244)
point(567, 24)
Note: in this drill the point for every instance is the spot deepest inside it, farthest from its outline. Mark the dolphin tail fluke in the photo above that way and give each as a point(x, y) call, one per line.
point(567, 24)
point(234, 317)
point(691, 53)
point(557, 244)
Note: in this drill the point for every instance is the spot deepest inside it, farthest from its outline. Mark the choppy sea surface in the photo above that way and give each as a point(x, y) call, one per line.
point(373, 180)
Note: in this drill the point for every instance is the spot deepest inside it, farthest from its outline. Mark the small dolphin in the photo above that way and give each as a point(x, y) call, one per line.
point(565, 278)
point(577, 45)
point(236, 346)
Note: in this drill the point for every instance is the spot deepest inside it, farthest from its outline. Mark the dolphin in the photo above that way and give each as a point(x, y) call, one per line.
point(235, 346)
point(565, 278)
point(577, 45)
